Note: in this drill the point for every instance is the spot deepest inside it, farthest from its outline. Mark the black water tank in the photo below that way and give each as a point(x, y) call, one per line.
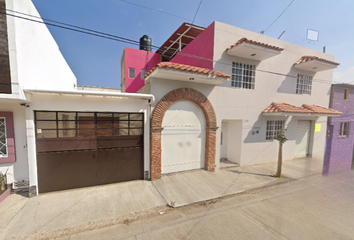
point(146, 43)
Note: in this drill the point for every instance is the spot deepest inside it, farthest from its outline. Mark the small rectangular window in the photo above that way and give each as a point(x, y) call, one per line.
point(344, 129)
point(346, 93)
point(143, 73)
point(131, 72)
point(304, 84)
point(3, 139)
point(243, 75)
point(273, 128)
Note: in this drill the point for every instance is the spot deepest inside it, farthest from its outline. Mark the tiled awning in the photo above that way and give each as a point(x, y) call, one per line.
point(250, 49)
point(305, 110)
point(315, 64)
point(182, 72)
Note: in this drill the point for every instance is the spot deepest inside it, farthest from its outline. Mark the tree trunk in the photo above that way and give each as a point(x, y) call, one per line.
point(280, 159)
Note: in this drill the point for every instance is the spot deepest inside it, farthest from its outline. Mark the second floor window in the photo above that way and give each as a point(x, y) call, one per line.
point(343, 132)
point(243, 75)
point(304, 84)
point(143, 73)
point(131, 72)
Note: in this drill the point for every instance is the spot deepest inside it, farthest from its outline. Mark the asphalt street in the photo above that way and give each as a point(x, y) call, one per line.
point(316, 207)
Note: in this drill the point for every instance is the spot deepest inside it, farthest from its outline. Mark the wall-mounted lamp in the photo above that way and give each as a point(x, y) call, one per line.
point(24, 104)
point(191, 79)
point(314, 67)
point(255, 132)
point(252, 55)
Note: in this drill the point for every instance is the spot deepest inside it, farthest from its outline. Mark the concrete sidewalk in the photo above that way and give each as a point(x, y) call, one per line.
point(75, 210)
point(186, 188)
point(68, 212)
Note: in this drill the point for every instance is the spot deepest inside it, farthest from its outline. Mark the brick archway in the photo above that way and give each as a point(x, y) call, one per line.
point(156, 127)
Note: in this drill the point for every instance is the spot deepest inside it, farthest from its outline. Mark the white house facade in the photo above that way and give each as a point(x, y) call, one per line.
point(253, 84)
point(54, 136)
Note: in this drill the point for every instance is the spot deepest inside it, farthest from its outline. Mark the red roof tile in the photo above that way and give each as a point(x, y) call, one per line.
point(304, 59)
point(255, 43)
point(321, 110)
point(307, 109)
point(285, 108)
point(188, 68)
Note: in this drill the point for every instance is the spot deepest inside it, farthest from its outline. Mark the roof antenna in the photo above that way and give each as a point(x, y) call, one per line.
point(281, 34)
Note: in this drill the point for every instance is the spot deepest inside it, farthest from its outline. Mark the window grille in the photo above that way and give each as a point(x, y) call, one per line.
point(3, 140)
point(273, 128)
point(86, 124)
point(131, 72)
point(243, 75)
point(304, 84)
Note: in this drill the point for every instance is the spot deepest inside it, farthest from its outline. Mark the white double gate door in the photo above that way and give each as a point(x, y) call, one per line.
point(183, 138)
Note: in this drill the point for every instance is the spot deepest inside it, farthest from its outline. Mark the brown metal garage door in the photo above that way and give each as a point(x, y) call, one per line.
point(81, 149)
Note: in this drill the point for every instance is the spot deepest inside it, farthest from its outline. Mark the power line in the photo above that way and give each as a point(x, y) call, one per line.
point(133, 42)
point(157, 10)
point(76, 30)
point(65, 24)
point(197, 10)
point(279, 15)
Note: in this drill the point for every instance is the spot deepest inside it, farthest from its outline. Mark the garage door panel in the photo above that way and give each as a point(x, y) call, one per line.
point(122, 141)
point(65, 170)
point(65, 144)
point(118, 165)
point(75, 154)
point(302, 138)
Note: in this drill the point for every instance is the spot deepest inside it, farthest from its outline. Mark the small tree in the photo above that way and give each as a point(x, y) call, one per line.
point(282, 139)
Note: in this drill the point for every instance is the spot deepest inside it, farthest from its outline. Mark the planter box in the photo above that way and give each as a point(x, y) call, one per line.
point(4, 195)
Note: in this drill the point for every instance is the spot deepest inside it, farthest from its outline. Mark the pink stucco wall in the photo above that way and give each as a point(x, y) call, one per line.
point(4, 195)
point(138, 59)
point(202, 46)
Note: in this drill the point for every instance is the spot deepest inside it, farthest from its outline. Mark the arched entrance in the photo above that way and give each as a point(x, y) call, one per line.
point(157, 120)
point(183, 138)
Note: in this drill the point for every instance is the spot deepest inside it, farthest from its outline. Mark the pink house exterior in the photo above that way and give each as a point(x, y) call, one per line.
point(138, 60)
point(203, 46)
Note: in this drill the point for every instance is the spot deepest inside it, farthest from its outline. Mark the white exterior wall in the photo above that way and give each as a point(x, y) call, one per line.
point(35, 59)
point(75, 103)
point(19, 169)
point(246, 105)
point(234, 140)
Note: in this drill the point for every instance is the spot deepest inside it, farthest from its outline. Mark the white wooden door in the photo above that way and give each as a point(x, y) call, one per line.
point(183, 138)
point(302, 138)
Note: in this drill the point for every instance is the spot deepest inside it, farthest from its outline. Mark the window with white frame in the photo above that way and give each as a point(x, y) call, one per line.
point(143, 73)
point(273, 128)
point(243, 75)
point(343, 132)
point(3, 142)
point(131, 72)
point(304, 84)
